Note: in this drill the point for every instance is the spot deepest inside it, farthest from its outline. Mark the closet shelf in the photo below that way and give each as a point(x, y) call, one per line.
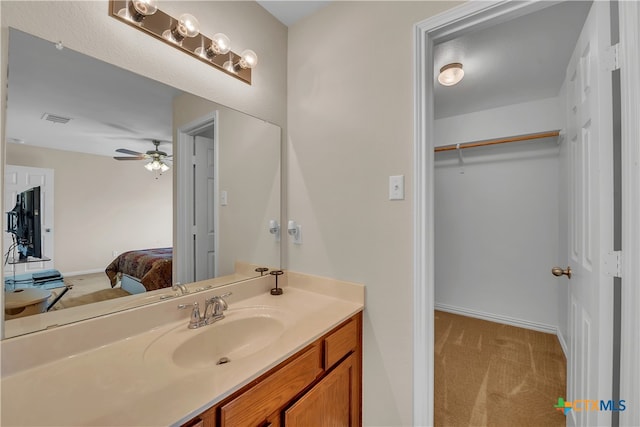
point(518, 138)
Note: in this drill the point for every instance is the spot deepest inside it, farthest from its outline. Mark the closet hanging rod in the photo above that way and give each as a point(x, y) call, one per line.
point(499, 141)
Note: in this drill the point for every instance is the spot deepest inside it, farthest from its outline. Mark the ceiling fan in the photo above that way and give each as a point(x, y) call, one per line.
point(156, 157)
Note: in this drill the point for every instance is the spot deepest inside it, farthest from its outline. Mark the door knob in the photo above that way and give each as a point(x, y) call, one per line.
point(557, 271)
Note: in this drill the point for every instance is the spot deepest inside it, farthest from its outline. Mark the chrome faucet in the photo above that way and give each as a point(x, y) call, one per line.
point(213, 311)
point(214, 308)
point(180, 287)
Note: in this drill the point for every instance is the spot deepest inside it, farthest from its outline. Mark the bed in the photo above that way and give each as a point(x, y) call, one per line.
point(152, 267)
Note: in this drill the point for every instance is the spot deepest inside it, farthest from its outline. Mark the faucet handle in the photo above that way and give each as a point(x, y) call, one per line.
point(220, 298)
point(215, 307)
point(195, 321)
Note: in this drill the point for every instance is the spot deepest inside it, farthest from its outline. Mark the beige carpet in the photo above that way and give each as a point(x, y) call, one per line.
point(87, 289)
point(489, 374)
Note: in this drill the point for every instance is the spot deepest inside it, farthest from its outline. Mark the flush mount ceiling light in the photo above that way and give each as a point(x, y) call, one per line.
point(451, 74)
point(183, 33)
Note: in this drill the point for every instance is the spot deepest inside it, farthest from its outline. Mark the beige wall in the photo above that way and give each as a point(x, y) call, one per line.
point(350, 99)
point(249, 171)
point(100, 206)
point(249, 162)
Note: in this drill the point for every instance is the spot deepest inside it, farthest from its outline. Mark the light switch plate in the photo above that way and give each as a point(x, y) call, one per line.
point(396, 187)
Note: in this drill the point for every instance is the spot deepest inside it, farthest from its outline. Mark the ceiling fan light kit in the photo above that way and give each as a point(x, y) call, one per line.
point(157, 159)
point(183, 33)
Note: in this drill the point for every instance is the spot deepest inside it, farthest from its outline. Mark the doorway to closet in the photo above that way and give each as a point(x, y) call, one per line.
point(498, 213)
point(441, 28)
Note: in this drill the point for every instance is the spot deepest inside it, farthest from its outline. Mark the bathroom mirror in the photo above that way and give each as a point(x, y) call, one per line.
point(215, 206)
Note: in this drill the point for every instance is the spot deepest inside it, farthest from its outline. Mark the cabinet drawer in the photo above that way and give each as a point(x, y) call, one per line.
point(258, 403)
point(340, 343)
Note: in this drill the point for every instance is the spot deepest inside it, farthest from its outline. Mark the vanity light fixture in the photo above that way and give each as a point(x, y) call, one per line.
point(184, 34)
point(451, 74)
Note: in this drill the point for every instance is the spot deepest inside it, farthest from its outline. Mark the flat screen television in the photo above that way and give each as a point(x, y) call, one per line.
point(25, 222)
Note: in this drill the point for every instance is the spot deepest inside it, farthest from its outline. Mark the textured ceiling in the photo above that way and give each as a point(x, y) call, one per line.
point(512, 62)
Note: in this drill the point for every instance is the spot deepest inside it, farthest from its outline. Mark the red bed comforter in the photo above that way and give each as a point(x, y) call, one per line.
point(153, 267)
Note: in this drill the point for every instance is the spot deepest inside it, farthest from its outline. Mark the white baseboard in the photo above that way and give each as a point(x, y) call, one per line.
point(79, 273)
point(507, 320)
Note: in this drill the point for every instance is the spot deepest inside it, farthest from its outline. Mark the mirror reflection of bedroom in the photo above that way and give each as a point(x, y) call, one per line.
point(66, 124)
point(96, 143)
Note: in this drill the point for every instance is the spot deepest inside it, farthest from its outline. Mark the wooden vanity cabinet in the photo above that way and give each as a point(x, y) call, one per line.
point(321, 385)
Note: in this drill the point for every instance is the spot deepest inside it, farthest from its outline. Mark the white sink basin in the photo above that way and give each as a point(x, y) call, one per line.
point(243, 332)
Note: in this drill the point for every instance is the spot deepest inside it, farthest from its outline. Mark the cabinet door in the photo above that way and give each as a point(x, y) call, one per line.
point(333, 402)
point(253, 407)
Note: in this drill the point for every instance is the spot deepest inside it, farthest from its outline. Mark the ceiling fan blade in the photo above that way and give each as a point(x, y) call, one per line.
point(125, 151)
point(130, 158)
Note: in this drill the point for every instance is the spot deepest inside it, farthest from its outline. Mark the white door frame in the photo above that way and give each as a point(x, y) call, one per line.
point(183, 215)
point(630, 325)
point(476, 15)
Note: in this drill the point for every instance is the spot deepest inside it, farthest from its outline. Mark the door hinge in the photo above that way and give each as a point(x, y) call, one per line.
point(613, 264)
point(612, 57)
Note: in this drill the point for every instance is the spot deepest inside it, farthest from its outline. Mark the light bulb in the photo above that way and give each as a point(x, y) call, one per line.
point(164, 167)
point(145, 7)
point(187, 26)
point(137, 10)
point(451, 74)
point(220, 44)
point(248, 59)
point(155, 165)
point(149, 166)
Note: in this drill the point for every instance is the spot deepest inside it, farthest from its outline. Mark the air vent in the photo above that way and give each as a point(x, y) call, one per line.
point(55, 118)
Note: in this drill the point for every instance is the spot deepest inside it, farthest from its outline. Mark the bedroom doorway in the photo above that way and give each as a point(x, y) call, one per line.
point(18, 179)
point(197, 217)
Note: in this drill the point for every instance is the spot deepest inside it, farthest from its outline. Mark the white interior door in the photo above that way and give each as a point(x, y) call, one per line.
point(590, 223)
point(16, 180)
point(204, 208)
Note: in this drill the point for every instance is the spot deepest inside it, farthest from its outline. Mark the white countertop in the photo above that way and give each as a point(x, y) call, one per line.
point(116, 385)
